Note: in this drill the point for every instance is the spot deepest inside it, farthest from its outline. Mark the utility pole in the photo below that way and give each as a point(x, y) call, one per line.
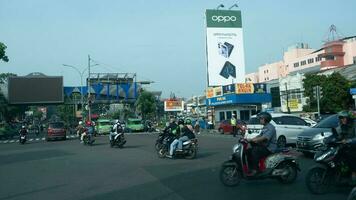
point(89, 100)
point(318, 93)
point(287, 93)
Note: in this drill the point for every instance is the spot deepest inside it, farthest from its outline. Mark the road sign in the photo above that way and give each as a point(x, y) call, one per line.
point(293, 104)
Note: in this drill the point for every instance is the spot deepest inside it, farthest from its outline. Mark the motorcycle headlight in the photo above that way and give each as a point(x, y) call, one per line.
point(236, 148)
point(320, 137)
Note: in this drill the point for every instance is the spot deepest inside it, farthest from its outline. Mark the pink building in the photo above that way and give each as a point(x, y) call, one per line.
point(333, 54)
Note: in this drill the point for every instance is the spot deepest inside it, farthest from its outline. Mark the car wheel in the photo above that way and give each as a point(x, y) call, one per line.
point(281, 142)
point(221, 131)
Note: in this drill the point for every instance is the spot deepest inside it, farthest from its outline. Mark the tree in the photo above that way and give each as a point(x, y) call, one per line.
point(3, 56)
point(7, 112)
point(66, 113)
point(335, 89)
point(146, 104)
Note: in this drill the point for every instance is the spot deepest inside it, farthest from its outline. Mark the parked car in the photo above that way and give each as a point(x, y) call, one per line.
point(134, 124)
point(309, 121)
point(103, 126)
point(225, 126)
point(56, 130)
point(288, 127)
point(310, 139)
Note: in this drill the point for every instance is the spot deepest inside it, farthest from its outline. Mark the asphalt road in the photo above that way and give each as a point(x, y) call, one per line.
point(69, 170)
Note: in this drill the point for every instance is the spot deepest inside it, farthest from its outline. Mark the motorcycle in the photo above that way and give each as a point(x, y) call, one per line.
point(22, 139)
point(118, 140)
point(331, 168)
point(161, 137)
point(188, 151)
point(88, 139)
point(352, 195)
point(280, 165)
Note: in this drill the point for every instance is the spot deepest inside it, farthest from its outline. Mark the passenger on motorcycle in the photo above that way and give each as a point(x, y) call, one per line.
point(347, 135)
point(89, 129)
point(187, 134)
point(80, 128)
point(116, 129)
point(264, 144)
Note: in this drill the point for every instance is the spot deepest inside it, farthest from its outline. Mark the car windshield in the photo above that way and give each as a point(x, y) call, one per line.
point(104, 123)
point(56, 125)
point(329, 122)
point(136, 122)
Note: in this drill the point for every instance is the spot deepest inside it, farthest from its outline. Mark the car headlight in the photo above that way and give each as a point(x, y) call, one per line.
point(320, 137)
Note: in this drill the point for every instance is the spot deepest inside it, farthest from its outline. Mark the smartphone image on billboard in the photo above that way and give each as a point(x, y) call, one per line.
point(228, 70)
point(225, 49)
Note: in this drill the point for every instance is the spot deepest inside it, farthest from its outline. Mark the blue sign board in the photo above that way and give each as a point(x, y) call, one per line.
point(353, 91)
point(239, 99)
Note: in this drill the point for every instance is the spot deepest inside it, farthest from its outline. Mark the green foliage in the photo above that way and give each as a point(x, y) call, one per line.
point(66, 113)
point(4, 76)
point(335, 90)
point(3, 56)
point(146, 104)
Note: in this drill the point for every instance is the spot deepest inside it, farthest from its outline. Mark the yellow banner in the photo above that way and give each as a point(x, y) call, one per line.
point(293, 104)
point(244, 88)
point(218, 91)
point(210, 92)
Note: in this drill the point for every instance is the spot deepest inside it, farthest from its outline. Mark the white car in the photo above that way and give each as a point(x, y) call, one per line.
point(288, 127)
point(310, 121)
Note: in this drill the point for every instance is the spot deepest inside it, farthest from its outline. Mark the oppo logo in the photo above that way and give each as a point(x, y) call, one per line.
point(224, 18)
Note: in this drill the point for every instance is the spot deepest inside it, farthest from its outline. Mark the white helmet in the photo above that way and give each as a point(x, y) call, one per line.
point(117, 121)
point(80, 122)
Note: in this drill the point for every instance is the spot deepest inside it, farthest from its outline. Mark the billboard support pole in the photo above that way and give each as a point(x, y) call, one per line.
point(89, 109)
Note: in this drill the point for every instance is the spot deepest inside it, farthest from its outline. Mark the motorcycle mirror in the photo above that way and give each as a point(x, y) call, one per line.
point(322, 134)
point(249, 132)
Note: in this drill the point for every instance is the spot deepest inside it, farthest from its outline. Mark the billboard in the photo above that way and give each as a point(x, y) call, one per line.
point(225, 50)
point(173, 105)
point(35, 89)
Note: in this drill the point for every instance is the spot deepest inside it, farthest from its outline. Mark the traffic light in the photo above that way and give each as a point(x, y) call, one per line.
point(315, 92)
point(320, 92)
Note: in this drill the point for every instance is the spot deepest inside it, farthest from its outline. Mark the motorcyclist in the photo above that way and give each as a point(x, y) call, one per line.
point(23, 130)
point(264, 144)
point(347, 135)
point(89, 130)
point(174, 127)
point(187, 134)
point(116, 129)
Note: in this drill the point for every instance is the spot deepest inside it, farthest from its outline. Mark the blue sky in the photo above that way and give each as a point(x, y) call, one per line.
point(160, 40)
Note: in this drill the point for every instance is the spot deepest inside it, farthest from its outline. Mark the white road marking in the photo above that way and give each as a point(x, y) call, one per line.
point(11, 141)
point(43, 138)
point(6, 141)
point(37, 139)
point(30, 140)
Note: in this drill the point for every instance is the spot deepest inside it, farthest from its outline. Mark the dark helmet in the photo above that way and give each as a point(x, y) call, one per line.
point(343, 114)
point(265, 115)
point(188, 121)
point(180, 122)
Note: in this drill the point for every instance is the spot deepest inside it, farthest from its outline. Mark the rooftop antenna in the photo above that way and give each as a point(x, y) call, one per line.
point(235, 5)
point(333, 35)
point(220, 6)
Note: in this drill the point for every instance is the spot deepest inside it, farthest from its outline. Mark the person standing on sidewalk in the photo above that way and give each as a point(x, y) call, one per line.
point(233, 122)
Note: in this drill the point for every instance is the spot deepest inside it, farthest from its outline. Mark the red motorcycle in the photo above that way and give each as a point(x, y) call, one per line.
point(280, 165)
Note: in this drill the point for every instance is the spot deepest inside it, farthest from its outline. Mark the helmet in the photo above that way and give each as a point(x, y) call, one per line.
point(188, 121)
point(116, 121)
point(265, 115)
point(88, 123)
point(343, 114)
point(80, 122)
point(23, 126)
point(180, 121)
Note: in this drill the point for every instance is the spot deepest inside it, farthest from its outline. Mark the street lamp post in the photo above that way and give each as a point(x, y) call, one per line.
point(81, 73)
